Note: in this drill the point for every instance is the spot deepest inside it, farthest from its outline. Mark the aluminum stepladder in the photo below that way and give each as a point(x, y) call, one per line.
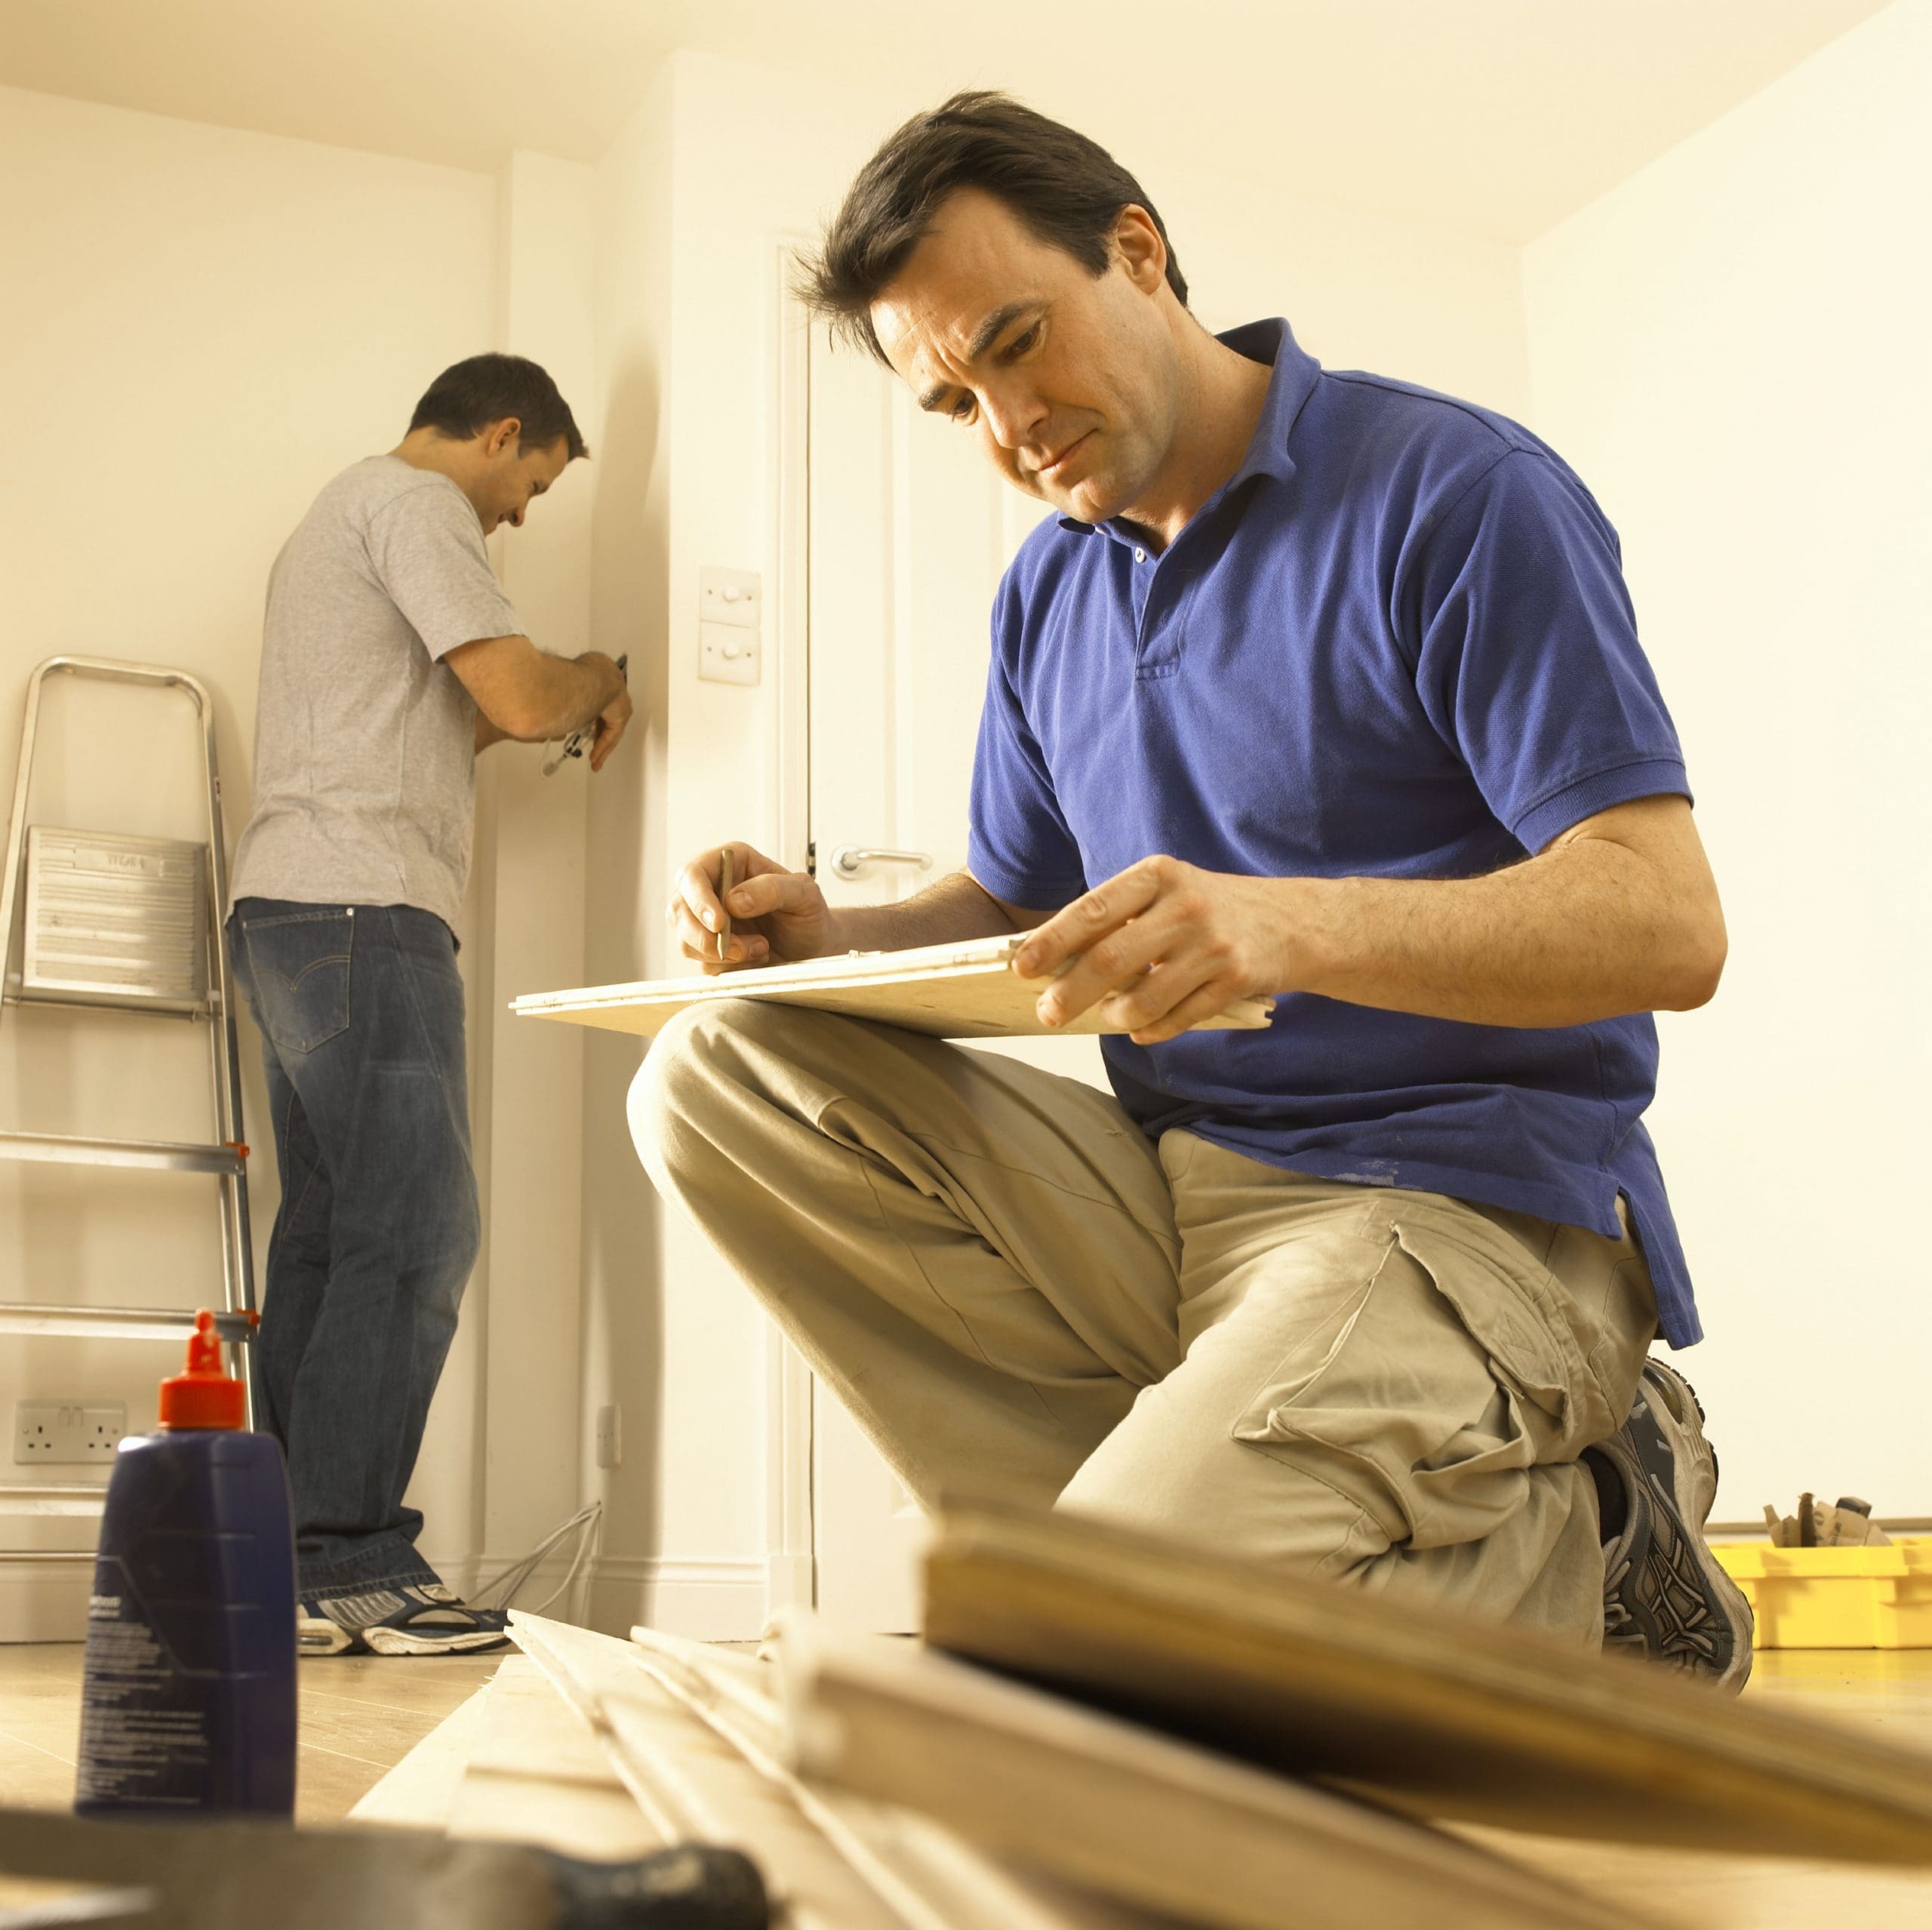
point(94, 921)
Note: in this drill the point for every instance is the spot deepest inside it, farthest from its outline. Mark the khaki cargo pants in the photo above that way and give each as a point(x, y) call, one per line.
point(1016, 1294)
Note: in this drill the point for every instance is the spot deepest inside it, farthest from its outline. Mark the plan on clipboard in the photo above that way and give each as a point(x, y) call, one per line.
point(963, 991)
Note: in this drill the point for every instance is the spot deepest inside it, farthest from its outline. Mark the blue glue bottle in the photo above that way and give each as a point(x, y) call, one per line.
point(188, 1696)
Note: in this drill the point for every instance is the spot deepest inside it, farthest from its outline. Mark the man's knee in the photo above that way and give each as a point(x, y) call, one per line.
point(695, 1070)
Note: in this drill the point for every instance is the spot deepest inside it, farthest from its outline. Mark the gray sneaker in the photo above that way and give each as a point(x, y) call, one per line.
point(1664, 1596)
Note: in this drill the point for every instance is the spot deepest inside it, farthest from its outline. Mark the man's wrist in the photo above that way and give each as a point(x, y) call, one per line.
point(837, 938)
point(1304, 953)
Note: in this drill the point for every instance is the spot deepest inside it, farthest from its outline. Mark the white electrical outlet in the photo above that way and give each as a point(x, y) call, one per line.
point(610, 1435)
point(55, 1431)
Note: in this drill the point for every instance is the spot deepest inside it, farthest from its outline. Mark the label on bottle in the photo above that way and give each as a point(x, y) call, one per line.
point(146, 1732)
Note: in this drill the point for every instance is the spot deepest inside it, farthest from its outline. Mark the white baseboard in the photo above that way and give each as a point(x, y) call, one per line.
point(791, 1581)
point(727, 1600)
point(708, 1600)
point(44, 1601)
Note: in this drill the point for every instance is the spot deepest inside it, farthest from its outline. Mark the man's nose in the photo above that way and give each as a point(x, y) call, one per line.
point(1014, 418)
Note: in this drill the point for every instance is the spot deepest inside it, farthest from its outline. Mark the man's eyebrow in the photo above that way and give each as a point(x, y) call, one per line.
point(995, 325)
point(984, 337)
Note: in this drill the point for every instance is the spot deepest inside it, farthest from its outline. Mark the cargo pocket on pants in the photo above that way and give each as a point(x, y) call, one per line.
point(1431, 1393)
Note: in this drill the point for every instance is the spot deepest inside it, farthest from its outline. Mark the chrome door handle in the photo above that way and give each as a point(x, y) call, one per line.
point(848, 860)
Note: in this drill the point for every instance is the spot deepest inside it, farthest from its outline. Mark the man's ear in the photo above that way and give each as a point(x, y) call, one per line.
point(500, 434)
point(1142, 253)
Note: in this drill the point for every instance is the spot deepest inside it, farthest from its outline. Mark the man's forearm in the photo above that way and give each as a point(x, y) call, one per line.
point(955, 908)
point(563, 694)
point(1589, 930)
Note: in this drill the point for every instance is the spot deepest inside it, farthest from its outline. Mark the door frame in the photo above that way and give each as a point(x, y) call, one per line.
point(792, 1560)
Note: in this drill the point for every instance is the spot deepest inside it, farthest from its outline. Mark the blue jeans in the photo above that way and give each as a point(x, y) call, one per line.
point(360, 1011)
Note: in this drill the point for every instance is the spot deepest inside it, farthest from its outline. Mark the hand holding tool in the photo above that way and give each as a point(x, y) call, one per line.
point(573, 744)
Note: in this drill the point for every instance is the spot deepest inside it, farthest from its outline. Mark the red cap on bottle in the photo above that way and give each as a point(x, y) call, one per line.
point(206, 1395)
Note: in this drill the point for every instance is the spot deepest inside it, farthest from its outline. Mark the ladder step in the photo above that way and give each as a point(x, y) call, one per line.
point(118, 1323)
point(50, 1497)
point(155, 1154)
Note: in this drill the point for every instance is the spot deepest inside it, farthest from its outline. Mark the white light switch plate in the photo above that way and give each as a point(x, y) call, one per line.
point(729, 596)
point(726, 654)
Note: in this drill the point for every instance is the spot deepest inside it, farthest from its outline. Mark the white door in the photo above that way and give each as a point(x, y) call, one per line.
point(910, 531)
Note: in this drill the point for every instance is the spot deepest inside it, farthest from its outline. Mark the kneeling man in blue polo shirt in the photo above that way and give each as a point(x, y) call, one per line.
point(1319, 685)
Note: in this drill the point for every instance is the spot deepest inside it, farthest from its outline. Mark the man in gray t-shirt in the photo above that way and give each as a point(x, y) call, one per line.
point(390, 656)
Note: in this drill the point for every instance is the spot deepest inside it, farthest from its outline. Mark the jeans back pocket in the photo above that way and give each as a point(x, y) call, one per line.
point(298, 965)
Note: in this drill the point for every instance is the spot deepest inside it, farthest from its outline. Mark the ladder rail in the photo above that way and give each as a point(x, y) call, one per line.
point(237, 1249)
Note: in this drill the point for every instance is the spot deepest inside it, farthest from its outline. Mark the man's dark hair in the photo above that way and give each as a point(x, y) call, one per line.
point(1067, 189)
point(467, 397)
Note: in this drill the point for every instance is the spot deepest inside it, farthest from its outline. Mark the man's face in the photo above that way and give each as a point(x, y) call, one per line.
point(513, 474)
point(1069, 381)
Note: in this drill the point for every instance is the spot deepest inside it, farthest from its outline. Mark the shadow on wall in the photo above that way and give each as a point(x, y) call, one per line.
point(623, 1337)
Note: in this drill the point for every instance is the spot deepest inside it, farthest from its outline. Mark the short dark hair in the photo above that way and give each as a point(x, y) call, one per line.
point(468, 396)
point(1068, 190)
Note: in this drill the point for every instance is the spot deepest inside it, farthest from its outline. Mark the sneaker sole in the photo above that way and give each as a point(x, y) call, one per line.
point(401, 1642)
point(316, 1635)
point(1674, 1405)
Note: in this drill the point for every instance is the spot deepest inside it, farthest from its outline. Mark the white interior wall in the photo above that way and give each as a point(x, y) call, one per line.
point(220, 321)
point(530, 849)
point(1731, 347)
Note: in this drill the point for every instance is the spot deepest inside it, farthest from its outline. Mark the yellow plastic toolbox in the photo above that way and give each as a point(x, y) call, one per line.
point(1836, 1598)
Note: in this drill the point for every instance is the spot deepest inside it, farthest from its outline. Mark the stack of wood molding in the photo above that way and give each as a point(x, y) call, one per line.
point(1127, 1735)
point(1441, 1716)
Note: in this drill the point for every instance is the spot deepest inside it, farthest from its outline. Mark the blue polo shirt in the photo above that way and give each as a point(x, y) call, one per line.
point(1396, 645)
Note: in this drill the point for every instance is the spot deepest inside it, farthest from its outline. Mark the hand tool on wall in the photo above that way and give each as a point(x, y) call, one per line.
point(574, 744)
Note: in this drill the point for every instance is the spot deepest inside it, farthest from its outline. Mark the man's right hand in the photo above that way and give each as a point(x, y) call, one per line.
point(615, 715)
point(777, 916)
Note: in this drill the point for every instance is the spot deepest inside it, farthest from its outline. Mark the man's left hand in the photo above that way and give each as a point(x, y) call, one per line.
point(1160, 947)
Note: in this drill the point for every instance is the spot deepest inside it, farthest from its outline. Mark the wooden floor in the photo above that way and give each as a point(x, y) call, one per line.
point(360, 1715)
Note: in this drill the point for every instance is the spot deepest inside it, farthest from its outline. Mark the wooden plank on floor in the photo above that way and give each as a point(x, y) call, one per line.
point(1133, 1813)
point(539, 1774)
point(1448, 1716)
point(420, 1791)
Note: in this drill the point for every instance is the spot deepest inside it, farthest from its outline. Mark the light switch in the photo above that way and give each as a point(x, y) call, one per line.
point(728, 596)
point(726, 654)
point(729, 606)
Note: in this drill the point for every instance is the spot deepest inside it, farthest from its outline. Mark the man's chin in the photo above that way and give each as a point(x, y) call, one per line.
point(1089, 500)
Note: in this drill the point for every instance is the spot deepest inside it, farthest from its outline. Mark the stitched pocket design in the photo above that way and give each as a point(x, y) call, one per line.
point(300, 966)
point(1428, 1393)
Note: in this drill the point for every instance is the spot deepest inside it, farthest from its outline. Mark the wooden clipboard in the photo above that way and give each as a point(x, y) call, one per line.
point(966, 991)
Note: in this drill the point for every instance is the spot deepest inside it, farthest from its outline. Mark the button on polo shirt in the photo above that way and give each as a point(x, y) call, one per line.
point(1397, 644)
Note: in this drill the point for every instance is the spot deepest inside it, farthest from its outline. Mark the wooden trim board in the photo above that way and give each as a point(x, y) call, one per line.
point(967, 991)
point(1158, 1824)
point(1426, 1710)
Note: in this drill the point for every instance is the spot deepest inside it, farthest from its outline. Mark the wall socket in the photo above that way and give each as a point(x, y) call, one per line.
point(67, 1431)
point(610, 1435)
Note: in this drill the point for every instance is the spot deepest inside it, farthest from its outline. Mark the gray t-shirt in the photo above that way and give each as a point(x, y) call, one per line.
point(365, 743)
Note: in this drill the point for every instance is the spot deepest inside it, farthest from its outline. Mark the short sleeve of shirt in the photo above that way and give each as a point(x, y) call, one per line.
point(426, 546)
point(1019, 847)
point(1528, 662)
